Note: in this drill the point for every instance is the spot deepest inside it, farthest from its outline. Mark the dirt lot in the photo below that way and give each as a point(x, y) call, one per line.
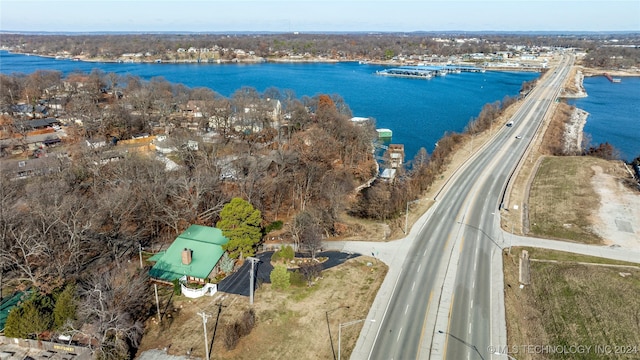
point(570, 303)
point(290, 324)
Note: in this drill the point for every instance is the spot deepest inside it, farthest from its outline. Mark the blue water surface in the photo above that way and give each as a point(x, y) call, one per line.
point(418, 111)
point(614, 113)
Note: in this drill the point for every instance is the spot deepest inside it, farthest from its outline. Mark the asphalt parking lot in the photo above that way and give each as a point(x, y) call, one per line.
point(239, 282)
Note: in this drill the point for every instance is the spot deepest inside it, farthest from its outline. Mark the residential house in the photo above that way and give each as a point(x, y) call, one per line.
point(194, 255)
point(23, 126)
point(25, 168)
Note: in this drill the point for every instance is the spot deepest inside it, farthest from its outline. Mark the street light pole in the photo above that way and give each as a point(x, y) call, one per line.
point(406, 219)
point(340, 326)
point(406, 216)
point(326, 313)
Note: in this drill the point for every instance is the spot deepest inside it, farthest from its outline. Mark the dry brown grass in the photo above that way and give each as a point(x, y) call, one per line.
point(572, 304)
point(553, 142)
point(562, 199)
point(570, 85)
point(290, 324)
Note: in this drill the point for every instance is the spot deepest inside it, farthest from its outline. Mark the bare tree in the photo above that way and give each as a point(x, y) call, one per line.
point(113, 306)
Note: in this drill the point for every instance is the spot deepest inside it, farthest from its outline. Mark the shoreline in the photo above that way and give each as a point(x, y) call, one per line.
point(585, 71)
point(574, 131)
point(257, 60)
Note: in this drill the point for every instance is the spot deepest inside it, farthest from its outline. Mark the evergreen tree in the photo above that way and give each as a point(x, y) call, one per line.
point(280, 277)
point(226, 263)
point(65, 308)
point(31, 318)
point(240, 222)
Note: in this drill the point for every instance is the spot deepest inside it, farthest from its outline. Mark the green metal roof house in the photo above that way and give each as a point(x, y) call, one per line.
point(194, 253)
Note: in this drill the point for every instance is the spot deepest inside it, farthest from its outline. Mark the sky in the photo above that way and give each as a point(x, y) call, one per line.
point(318, 15)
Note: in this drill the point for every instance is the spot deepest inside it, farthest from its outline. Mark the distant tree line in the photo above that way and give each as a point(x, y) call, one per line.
point(612, 57)
point(374, 46)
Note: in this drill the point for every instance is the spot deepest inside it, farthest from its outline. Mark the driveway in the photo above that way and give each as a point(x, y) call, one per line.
point(239, 282)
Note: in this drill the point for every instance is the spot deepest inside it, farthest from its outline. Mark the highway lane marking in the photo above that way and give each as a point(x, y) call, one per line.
point(385, 313)
point(399, 333)
point(474, 284)
point(419, 267)
point(424, 253)
point(424, 324)
point(461, 243)
point(406, 309)
point(412, 286)
point(471, 307)
point(470, 325)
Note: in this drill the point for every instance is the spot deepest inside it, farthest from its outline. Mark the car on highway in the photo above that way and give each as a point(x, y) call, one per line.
point(518, 136)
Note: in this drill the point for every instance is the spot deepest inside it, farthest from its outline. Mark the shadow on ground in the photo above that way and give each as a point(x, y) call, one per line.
point(239, 282)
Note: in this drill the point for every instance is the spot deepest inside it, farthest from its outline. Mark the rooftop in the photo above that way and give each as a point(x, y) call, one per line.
point(205, 244)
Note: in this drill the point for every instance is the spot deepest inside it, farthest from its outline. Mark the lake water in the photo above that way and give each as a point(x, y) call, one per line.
point(614, 113)
point(418, 111)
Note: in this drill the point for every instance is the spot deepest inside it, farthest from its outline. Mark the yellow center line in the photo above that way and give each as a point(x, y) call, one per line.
point(424, 324)
point(446, 342)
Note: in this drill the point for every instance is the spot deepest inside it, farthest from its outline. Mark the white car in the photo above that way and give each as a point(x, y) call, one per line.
point(518, 136)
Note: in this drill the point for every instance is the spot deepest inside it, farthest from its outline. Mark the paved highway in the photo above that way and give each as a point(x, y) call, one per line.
point(442, 303)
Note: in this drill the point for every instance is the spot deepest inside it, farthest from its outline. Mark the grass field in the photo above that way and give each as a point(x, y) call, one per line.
point(290, 324)
point(571, 304)
point(562, 199)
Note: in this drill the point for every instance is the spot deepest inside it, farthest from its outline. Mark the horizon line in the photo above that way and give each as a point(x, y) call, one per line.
point(301, 32)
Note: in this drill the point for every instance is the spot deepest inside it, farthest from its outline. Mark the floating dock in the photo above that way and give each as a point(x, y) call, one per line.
point(427, 72)
point(612, 79)
point(384, 133)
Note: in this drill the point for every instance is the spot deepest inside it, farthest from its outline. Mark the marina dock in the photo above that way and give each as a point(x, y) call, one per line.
point(612, 79)
point(427, 72)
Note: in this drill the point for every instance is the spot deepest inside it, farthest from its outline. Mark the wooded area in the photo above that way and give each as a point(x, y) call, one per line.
point(83, 223)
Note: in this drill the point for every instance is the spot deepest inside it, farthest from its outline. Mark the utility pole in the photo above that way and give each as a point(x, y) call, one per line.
point(155, 287)
point(205, 316)
point(140, 253)
point(253, 261)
